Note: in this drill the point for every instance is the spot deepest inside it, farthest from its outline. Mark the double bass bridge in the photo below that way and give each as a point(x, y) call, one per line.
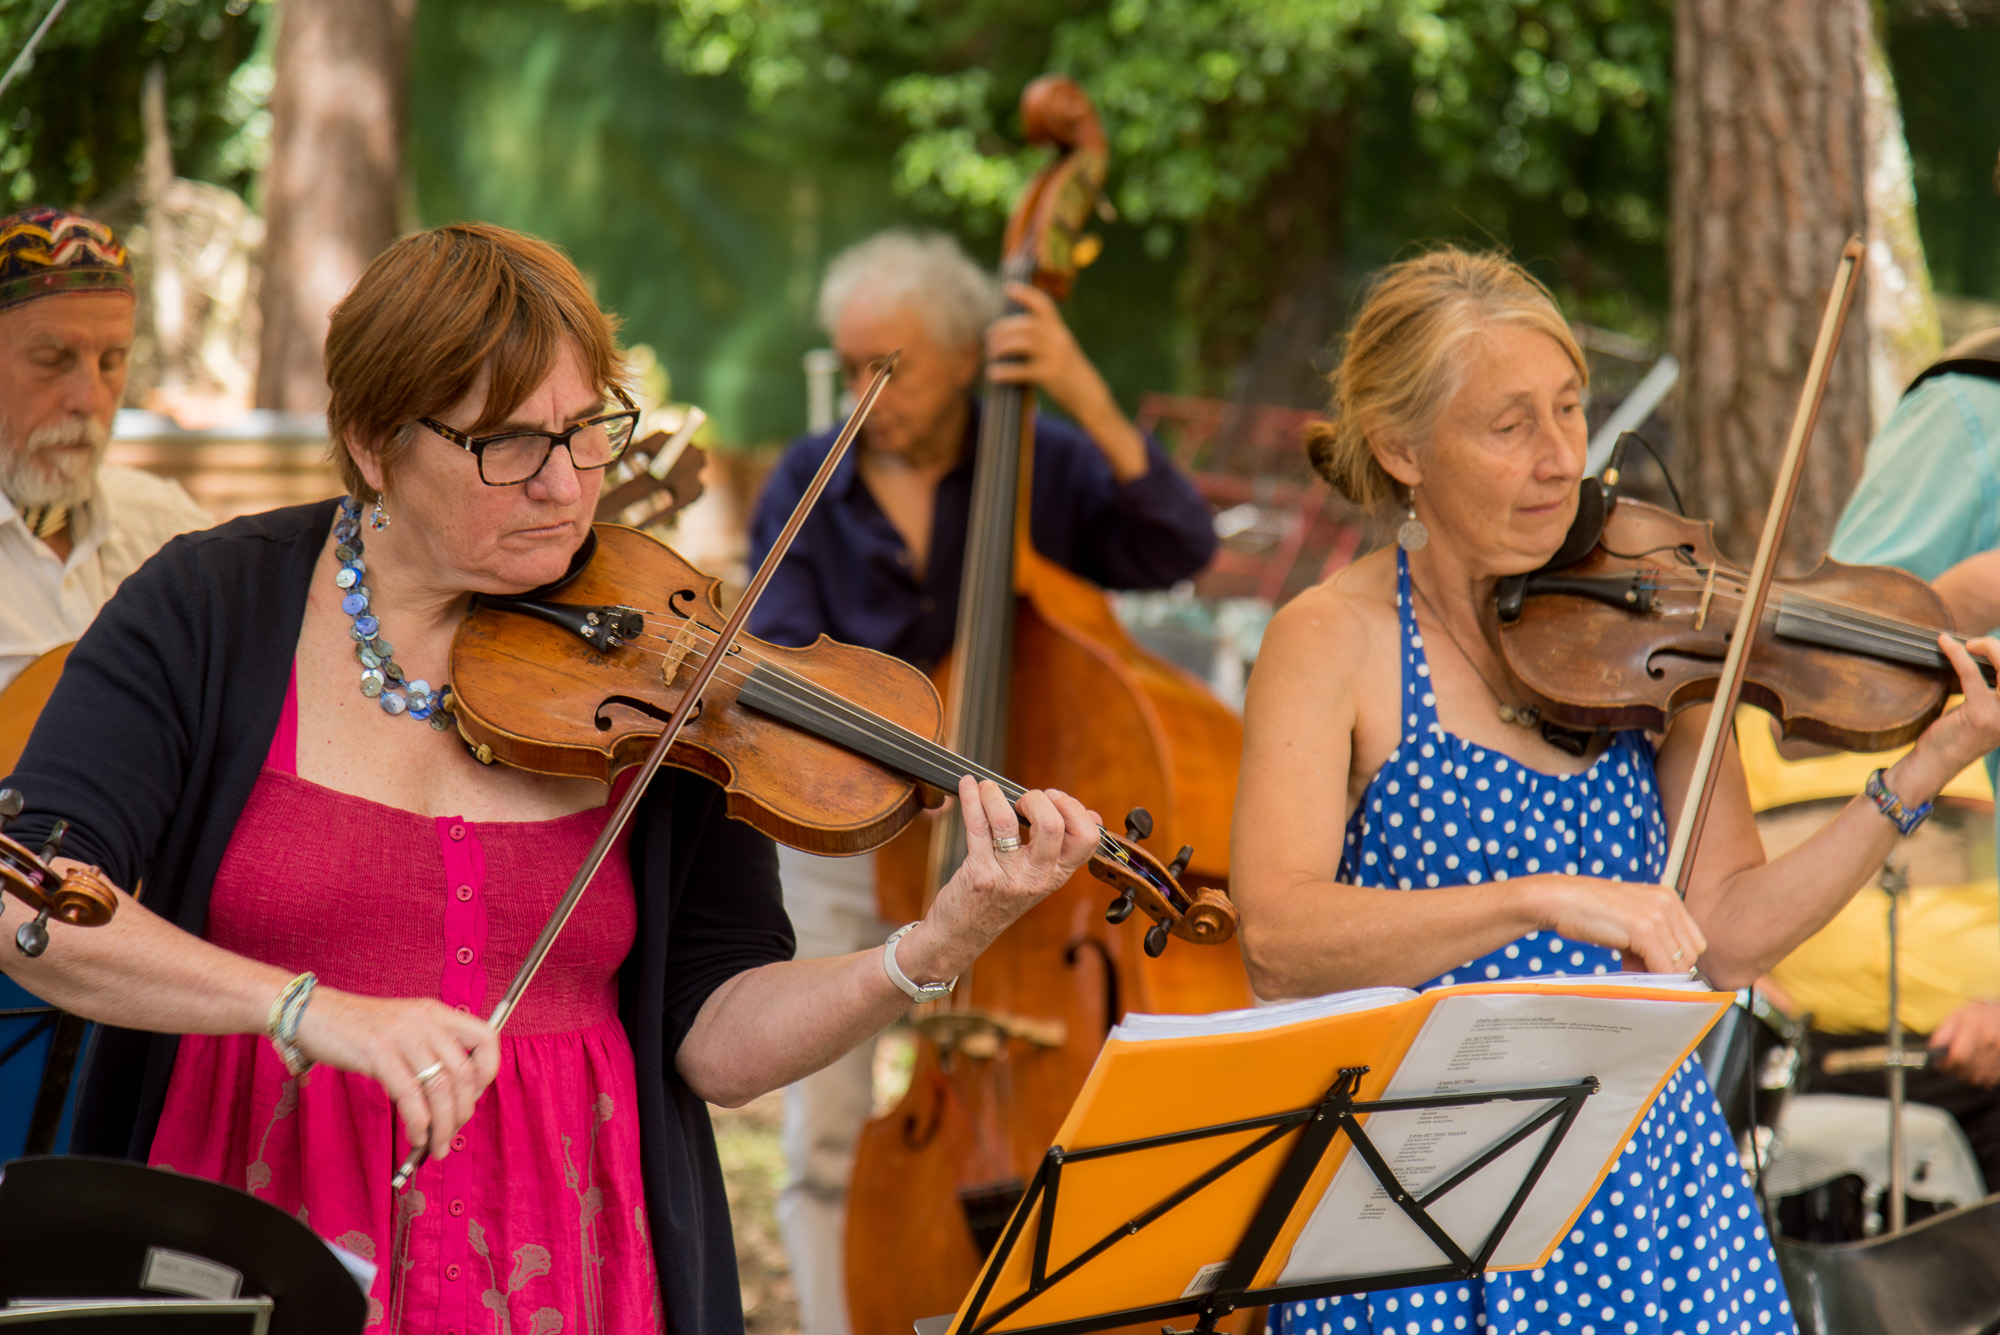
point(984, 1035)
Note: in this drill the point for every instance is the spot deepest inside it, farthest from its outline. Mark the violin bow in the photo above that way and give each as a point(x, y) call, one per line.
point(1735, 665)
point(690, 700)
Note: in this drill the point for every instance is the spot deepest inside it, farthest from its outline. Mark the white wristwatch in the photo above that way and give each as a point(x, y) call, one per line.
point(914, 991)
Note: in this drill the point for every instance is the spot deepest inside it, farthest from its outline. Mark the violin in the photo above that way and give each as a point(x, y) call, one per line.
point(1631, 620)
point(80, 897)
point(831, 749)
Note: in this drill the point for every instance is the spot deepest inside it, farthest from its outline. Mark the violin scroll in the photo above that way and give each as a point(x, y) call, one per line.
point(81, 898)
point(1205, 916)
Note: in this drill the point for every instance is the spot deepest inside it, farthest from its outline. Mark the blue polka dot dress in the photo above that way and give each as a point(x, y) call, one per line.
point(1672, 1244)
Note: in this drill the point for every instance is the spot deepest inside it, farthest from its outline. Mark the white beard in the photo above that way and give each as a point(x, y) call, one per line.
point(38, 472)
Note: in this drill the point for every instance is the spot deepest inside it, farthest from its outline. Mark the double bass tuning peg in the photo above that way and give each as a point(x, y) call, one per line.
point(1138, 824)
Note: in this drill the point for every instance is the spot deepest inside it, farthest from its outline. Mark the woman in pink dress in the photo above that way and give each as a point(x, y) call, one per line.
point(336, 891)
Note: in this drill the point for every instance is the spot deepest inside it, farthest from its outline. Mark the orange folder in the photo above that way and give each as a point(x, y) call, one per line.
point(1213, 1070)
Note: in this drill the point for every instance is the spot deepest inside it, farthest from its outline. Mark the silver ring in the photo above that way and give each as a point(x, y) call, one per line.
point(1007, 844)
point(430, 1073)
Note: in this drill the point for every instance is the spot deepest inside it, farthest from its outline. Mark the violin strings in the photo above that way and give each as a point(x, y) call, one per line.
point(1668, 577)
point(892, 735)
point(1813, 609)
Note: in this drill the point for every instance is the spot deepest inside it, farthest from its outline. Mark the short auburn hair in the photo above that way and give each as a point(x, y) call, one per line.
point(1401, 363)
point(435, 310)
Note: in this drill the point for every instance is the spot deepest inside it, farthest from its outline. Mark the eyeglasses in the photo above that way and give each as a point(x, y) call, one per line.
point(514, 457)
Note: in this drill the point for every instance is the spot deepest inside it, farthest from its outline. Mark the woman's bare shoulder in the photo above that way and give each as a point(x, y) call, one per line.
point(1332, 631)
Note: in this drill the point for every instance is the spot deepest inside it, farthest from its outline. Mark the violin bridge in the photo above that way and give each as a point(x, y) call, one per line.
point(679, 649)
point(1707, 597)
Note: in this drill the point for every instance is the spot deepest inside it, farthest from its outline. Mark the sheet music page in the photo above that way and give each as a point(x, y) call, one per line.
point(1487, 1042)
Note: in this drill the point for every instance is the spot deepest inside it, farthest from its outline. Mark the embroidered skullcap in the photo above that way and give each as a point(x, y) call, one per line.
point(45, 252)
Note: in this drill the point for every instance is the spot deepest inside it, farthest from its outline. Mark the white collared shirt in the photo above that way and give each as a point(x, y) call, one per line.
point(44, 601)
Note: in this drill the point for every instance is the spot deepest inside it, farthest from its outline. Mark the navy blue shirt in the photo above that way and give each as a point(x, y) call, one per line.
point(849, 573)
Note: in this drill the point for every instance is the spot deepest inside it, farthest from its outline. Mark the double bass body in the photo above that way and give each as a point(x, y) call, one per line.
point(1045, 684)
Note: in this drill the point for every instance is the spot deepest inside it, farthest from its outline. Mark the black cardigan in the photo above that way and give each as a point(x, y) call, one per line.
point(150, 747)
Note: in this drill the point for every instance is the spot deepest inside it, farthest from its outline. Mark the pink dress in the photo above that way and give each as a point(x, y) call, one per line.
point(536, 1223)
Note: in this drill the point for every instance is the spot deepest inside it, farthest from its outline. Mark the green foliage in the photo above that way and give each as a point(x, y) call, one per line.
point(1207, 99)
point(704, 225)
point(70, 130)
point(1944, 74)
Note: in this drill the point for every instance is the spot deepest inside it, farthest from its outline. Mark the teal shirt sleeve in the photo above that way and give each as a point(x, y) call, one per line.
point(1929, 495)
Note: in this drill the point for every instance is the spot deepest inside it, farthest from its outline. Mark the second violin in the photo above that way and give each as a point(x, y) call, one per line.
point(1637, 627)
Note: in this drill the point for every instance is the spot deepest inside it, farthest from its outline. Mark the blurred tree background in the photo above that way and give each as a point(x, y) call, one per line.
point(703, 159)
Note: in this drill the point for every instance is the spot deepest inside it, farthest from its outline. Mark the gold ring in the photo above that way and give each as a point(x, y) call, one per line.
point(430, 1073)
point(1007, 844)
point(1675, 958)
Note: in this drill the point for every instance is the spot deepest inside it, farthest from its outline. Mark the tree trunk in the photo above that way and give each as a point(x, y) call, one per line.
point(1774, 149)
point(1266, 278)
point(332, 188)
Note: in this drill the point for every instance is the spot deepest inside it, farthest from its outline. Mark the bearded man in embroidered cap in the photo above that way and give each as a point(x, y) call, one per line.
point(70, 527)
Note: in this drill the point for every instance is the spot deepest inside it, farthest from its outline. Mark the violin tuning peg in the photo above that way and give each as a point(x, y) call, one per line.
point(53, 844)
point(1180, 862)
point(33, 938)
point(1156, 940)
point(11, 803)
point(1138, 824)
point(1121, 908)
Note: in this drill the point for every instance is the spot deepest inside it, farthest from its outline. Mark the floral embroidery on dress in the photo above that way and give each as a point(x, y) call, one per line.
point(514, 1230)
point(258, 1175)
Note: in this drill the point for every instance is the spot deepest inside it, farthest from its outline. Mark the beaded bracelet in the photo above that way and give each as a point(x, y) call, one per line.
point(1906, 818)
point(283, 1024)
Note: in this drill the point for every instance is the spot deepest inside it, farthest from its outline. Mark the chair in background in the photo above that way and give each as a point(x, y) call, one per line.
point(1280, 525)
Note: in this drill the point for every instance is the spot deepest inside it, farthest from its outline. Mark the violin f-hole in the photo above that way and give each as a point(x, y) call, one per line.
point(645, 707)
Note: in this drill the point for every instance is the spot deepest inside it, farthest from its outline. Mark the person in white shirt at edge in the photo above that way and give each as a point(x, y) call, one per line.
point(71, 528)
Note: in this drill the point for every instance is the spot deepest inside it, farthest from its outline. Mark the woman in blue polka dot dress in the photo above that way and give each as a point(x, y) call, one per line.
point(1460, 392)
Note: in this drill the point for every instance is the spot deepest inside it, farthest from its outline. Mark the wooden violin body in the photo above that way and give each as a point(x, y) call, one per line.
point(830, 748)
point(537, 695)
point(1637, 630)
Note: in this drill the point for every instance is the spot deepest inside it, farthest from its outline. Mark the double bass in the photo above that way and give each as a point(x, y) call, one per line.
point(1042, 683)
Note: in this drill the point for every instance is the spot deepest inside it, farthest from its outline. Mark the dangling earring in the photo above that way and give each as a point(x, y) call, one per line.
point(1412, 535)
point(378, 518)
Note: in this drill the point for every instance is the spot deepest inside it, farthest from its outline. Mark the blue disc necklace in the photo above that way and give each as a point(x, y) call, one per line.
point(381, 680)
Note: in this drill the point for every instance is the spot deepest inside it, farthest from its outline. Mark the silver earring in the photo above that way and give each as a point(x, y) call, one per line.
point(378, 518)
point(1412, 535)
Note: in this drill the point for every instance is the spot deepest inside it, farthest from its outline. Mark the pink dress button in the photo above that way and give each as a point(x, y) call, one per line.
point(465, 954)
point(458, 1207)
point(458, 832)
point(451, 1272)
point(457, 1143)
point(464, 893)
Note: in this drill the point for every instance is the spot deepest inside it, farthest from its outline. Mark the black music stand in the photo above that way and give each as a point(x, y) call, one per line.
point(1333, 1116)
point(79, 1228)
